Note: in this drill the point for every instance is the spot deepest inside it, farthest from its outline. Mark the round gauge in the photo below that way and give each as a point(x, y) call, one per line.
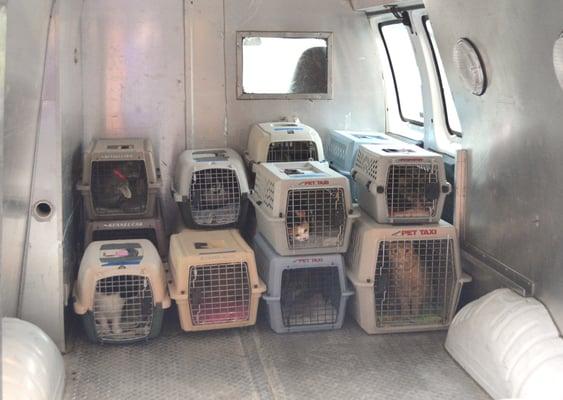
point(470, 67)
point(558, 59)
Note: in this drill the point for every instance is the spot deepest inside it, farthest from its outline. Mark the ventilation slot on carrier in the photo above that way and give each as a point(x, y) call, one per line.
point(119, 187)
point(215, 196)
point(315, 218)
point(292, 151)
point(413, 190)
point(219, 293)
point(414, 282)
point(310, 296)
point(123, 308)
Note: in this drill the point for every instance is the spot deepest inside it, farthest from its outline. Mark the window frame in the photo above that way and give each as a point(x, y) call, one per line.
point(242, 95)
point(454, 133)
point(380, 26)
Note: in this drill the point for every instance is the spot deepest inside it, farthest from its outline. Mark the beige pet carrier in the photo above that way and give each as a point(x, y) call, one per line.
point(121, 291)
point(213, 280)
point(283, 142)
point(400, 183)
point(303, 208)
point(407, 278)
point(119, 179)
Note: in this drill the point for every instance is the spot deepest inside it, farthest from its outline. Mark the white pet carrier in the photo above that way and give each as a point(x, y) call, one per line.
point(406, 278)
point(305, 293)
point(400, 183)
point(121, 291)
point(119, 179)
point(213, 280)
point(283, 142)
point(211, 188)
point(303, 208)
point(341, 146)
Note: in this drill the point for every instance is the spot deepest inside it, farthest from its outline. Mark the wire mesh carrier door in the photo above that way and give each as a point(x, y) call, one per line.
point(119, 179)
point(400, 183)
point(342, 146)
point(406, 278)
point(121, 291)
point(213, 280)
point(283, 142)
point(303, 208)
point(211, 188)
point(305, 293)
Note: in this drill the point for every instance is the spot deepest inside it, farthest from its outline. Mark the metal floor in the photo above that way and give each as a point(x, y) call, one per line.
point(255, 363)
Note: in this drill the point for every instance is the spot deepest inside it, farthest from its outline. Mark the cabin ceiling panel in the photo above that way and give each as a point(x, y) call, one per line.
point(513, 134)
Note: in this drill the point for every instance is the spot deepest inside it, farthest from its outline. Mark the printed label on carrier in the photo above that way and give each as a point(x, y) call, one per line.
point(121, 254)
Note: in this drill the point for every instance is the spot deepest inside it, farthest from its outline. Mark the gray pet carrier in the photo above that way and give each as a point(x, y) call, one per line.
point(305, 293)
point(211, 188)
point(119, 179)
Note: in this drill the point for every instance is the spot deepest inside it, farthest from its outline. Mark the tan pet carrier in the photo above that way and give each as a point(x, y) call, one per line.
point(303, 208)
point(407, 278)
point(400, 183)
point(121, 291)
point(213, 280)
point(119, 179)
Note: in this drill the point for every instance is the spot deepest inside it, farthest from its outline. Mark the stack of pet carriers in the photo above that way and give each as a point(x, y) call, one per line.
point(213, 276)
point(403, 261)
point(304, 217)
point(121, 290)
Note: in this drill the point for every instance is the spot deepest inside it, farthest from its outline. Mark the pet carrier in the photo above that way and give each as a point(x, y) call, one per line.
point(211, 189)
point(119, 179)
point(342, 146)
point(406, 278)
point(213, 280)
point(400, 183)
point(305, 293)
point(121, 291)
point(283, 142)
point(303, 208)
point(144, 228)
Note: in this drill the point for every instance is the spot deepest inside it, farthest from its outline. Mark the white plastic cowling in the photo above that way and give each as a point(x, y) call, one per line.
point(32, 367)
point(510, 346)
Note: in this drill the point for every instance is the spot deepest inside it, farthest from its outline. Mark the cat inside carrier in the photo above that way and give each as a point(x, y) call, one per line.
point(305, 293)
point(211, 188)
point(407, 278)
point(303, 208)
point(400, 183)
point(283, 142)
point(151, 229)
point(213, 280)
point(121, 291)
point(119, 179)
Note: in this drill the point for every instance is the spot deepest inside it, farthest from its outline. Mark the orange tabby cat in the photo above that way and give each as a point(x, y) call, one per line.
point(407, 276)
point(300, 230)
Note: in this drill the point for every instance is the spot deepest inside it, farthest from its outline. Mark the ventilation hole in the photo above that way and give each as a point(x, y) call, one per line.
point(43, 209)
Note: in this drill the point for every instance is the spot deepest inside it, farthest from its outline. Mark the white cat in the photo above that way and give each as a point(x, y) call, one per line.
point(111, 307)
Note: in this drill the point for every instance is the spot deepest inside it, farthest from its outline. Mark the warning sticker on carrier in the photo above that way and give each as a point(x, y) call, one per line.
point(112, 254)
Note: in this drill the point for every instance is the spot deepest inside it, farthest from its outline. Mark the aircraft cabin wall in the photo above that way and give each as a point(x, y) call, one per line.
point(514, 211)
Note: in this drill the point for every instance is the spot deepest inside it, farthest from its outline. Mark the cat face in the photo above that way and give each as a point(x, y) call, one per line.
point(401, 252)
point(301, 232)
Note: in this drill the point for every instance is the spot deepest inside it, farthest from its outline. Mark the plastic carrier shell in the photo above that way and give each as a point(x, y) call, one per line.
point(119, 179)
point(213, 280)
point(211, 188)
point(121, 291)
point(283, 142)
point(400, 183)
point(291, 198)
point(145, 228)
point(406, 278)
point(305, 293)
point(342, 146)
